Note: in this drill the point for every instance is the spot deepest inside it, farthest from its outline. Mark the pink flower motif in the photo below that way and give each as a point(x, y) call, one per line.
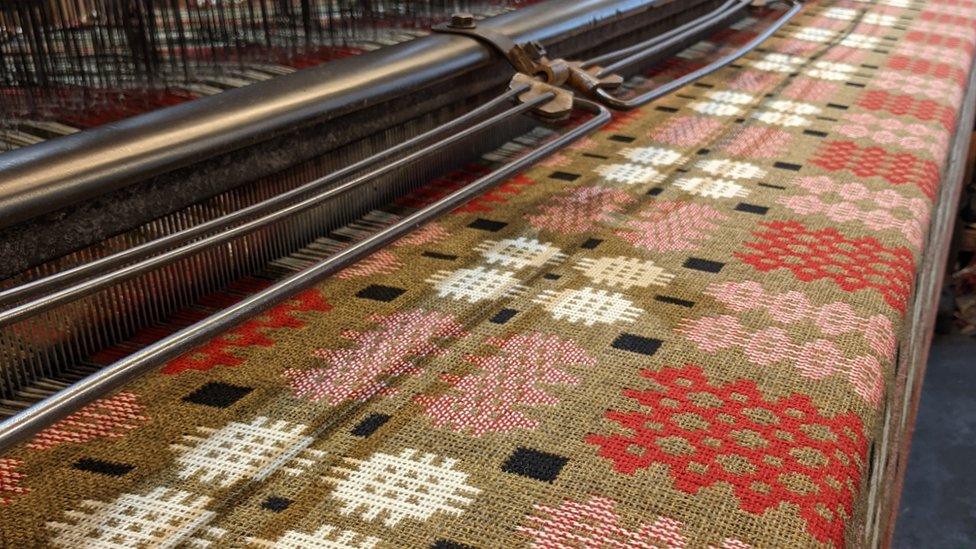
point(492, 398)
point(378, 356)
point(666, 225)
point(687, 131)
point(758, 142)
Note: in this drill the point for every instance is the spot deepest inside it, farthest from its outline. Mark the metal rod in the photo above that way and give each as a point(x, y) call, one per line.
point(34, 419)
point(651, 42)
point(628, 104)
point(694, 30)
point(59, 172)
point(62, 278)
point(87, 287)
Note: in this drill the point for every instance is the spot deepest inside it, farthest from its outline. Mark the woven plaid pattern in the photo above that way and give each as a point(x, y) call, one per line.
point(679, 333)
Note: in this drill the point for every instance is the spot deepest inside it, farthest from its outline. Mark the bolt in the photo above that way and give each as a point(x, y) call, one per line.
point(535, 50)
point(462, 21)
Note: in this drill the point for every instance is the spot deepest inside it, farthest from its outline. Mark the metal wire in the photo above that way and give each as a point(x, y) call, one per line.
point(686, 30)
point(634, 102)
point(87, 287)
point(32, 420)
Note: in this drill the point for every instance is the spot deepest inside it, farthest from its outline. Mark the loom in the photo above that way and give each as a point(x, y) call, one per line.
point(160, 151)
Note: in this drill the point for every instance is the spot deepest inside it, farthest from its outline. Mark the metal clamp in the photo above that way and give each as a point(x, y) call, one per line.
point(536, 70)
point(543, 75)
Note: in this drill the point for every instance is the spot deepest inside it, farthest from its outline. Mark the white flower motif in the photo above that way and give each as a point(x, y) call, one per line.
point(656, 156)
point(246, 450)
point(781, 119)
point(589, 306)
point(777, 62)
point(829, 70)
point(520, 253)
point(625, 272)
point(409, 485)
point(711, 188)
point(477, 284)
point(792, 107)
point(714, 108)
point(629, 174)
point(731, 168)
point(848, 14)
point(163, 517)
point(727, 96)
point(326, 537)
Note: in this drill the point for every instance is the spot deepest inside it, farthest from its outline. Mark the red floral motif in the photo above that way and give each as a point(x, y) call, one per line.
point(379, 356)
point(446, 185)
point(491, 399)
point(897, 168)
point(111, 417)
point(10, 480)
point(581, 210)
point(925, 67)
point(947, 19)
point(218, 352)
point(621, 119)
point(853, 264)
point(934, 39)
point(906, 105)
point(770, 452)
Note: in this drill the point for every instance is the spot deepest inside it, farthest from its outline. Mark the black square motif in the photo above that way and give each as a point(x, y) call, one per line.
point(438, 255)
point(622, 138)
point(217, 394)
point(751, 208)
point(550, 276)
point(276, 504)
point(674, 300)
point(487, 225)
point(636, 344)
point(370, 424)
point(378, 292)
point(109, 468)
point(447, 544)
point(591, 243)
point(699, 264)
point(535, 464)
point(503, 316)
point(564, 176)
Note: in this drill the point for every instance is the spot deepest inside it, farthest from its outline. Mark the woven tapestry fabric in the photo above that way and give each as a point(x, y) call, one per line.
point(681, 332)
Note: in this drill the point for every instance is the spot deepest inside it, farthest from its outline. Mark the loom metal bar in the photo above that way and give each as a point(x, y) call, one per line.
point(64, 171)
point(88, 287)
point(34, 419)
point(117, 260)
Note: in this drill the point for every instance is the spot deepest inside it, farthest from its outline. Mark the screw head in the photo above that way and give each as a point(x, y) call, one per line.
point(462, 21)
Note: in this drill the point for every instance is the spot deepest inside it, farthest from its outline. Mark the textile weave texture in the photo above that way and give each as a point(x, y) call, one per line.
point(681, 332)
